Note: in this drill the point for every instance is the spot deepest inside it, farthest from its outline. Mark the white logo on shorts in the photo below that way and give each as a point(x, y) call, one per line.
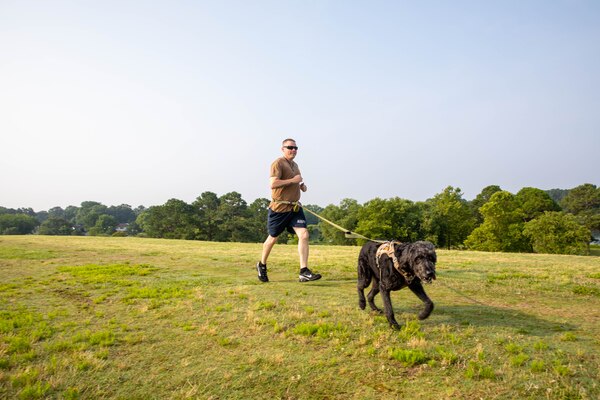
point(301, 221)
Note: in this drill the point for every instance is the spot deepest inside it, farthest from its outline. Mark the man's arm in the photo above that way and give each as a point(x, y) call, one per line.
point(277, 183)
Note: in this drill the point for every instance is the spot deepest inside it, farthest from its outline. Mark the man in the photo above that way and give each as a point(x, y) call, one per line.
point(285, 211)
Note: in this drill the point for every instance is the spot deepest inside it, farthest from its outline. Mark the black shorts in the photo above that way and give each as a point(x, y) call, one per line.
point(278, 222)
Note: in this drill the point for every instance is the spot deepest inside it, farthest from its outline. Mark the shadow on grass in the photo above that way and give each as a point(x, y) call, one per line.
point(483, 315)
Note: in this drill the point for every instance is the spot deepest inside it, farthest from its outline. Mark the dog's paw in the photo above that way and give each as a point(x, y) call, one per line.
point(426, 312)
point(395, 326)
point(362, 304)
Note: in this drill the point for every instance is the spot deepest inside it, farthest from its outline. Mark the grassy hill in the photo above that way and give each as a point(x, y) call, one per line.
point(84, 317)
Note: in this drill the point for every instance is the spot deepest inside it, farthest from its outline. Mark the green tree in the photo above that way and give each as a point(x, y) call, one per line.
point(174, 220)
point(133, 229)
point(583, 198)
point(558, 233)
point(55, 226)
point(448, 219)
point(122, 213)
point(138, 210)
point(534, 202)
point(207, 206)
point(396, 218)
point(481, 199)
point(41, 216)
point(17, 224)
point(71, 214)
point(502, 227)
point(557, 194)
point(89, 212)
point(26, 210)
point(57, 212)
point(584, 202)
point(257, 219)
point(233, 214)
point(105, 225)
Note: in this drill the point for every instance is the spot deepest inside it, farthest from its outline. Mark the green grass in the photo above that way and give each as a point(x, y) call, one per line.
point(84, 317)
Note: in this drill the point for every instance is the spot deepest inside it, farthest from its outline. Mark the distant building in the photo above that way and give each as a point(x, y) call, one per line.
point(122, 227)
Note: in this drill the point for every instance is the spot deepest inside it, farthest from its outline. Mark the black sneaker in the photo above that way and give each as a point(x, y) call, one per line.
point(262, 272)
point(307, 275)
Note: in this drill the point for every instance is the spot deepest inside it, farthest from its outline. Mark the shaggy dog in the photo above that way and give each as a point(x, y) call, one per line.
point(392, 266)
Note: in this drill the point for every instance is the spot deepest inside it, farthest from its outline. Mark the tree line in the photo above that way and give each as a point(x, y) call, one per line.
point(532, 220)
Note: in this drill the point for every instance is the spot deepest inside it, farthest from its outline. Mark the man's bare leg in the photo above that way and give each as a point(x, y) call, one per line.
point(267, 247)
point(303, 237)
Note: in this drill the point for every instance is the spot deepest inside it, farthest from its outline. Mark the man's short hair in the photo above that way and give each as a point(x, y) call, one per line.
point(288, 140)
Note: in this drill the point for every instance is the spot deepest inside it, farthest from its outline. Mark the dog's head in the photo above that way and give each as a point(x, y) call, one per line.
point(420, 257)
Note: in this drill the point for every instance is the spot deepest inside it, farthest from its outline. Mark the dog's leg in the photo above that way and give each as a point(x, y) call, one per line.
point(364, 280)
point(371, 297)
point(417, 288)
point(389, 311)
point(362, 303)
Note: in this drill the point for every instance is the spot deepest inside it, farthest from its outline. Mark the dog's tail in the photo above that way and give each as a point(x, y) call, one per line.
point(365, 273)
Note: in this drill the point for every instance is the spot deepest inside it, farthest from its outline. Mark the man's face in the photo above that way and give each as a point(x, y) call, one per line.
point(290, 149)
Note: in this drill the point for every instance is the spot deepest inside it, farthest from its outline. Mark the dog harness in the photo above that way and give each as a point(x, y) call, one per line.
point(387, 248)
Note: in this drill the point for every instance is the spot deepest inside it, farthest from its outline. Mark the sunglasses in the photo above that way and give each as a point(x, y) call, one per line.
point(291, 147)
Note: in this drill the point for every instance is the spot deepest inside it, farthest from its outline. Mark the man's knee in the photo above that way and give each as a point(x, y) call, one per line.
point(271, 239)
point(302, 233)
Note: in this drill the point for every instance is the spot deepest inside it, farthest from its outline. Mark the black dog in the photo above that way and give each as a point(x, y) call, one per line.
point(392, 266)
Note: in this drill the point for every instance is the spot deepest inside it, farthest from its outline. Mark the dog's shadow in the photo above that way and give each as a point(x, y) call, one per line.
point(489, 316)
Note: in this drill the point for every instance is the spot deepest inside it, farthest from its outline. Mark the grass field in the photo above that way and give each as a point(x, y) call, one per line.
point(130, 318)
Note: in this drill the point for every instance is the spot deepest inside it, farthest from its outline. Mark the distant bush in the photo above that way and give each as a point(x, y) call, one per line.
point(17, 224)
point(558, 233)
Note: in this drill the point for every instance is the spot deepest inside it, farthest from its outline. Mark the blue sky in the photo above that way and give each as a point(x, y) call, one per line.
point(138, 102)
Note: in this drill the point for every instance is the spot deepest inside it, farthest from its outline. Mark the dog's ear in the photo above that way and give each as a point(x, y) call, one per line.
point(404, 254)
point(430, 248)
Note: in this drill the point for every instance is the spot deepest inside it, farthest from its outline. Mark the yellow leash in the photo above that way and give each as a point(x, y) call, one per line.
point(347, 233)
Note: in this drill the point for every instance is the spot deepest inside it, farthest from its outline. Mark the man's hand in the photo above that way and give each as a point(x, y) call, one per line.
point(276, 182)
point(296, 179)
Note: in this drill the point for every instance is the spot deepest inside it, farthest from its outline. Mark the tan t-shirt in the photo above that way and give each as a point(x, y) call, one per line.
point(282, 168)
